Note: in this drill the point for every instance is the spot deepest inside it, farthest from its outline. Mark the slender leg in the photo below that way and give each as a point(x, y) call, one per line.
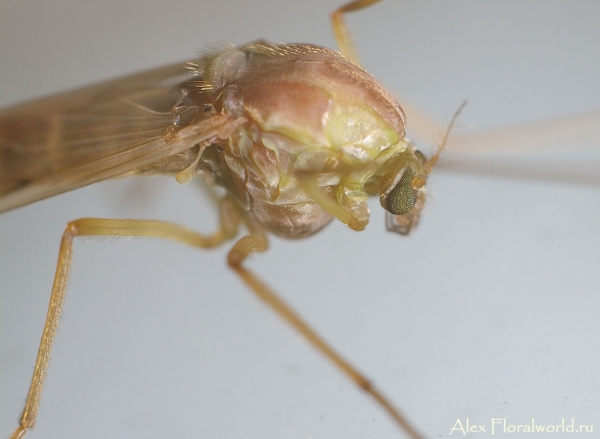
point(559, 134)
point(343, 36)
point(420, 125)
point(229, 221)
point(356, 220)
point(258, 243)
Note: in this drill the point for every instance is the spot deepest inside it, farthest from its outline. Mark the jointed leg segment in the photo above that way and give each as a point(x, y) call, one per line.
point(240, 251)
point(158, 229)
point(229, 222)
point(343, 36)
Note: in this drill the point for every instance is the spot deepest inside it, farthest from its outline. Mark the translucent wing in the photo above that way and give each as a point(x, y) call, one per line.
point(73, 139)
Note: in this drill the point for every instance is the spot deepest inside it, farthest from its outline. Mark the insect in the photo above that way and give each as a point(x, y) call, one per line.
point(394, 361)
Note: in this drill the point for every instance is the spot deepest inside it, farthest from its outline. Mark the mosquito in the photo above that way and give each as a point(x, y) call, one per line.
point(42, 405)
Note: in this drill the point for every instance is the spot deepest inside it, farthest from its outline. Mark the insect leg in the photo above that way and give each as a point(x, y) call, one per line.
point(343, 36)
point(531, 151)
point(559, 134)
point(356, 219)
point(258, 243)
point(420, 125)
point(229, 222)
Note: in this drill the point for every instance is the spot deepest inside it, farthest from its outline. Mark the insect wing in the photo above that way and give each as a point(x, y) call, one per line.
point(70, 140)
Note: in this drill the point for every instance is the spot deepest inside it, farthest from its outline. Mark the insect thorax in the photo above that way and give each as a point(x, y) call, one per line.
point(310, 115)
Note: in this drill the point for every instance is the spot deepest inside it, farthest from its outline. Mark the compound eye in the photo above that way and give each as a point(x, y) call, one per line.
point(402, 198)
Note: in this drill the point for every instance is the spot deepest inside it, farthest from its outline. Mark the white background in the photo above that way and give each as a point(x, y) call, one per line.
point(490, 309)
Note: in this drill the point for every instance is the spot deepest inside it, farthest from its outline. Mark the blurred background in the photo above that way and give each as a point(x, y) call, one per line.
point(488, 310)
